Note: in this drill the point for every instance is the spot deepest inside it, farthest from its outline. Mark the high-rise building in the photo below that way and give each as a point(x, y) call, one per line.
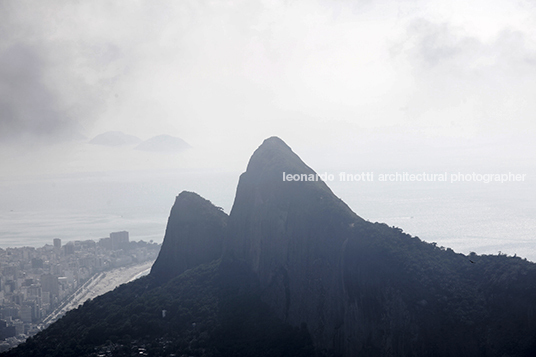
point(45, 296)
point(105, 243)
point(68, 248)
point(120, 240)
point(57, 243)
point(19, 326)
point(49, 283)
point(26, 313)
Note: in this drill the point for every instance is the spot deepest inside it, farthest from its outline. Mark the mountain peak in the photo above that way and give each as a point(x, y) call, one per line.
point(274, 141)
point(194, 235)
point(273, 158)
point(284, 230)
point(300, 268)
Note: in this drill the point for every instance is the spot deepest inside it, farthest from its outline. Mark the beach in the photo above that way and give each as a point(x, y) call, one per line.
point(100, 284)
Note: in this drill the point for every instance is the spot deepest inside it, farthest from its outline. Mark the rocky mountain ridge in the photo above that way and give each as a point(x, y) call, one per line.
point(293, 271)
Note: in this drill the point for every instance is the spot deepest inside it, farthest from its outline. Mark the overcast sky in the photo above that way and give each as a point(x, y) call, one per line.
point(223, 75)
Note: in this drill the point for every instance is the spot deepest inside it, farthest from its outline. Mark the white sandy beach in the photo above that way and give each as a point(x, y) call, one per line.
point(99, 285)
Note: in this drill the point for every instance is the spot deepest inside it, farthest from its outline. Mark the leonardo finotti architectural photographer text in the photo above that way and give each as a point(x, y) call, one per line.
point(370, 176)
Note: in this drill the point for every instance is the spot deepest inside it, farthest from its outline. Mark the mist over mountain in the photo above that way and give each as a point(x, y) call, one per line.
point(292, 271)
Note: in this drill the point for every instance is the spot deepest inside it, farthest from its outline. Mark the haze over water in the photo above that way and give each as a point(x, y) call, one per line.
point(484, 218)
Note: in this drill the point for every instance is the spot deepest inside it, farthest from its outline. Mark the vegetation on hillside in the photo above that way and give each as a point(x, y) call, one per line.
point(212, 310)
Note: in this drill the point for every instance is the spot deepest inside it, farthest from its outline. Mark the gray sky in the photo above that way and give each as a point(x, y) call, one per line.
point(323, 75)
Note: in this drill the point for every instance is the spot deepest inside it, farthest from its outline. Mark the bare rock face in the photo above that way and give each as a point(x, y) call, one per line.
point(194, 236)
point(292, 234)
point(360, 288)
point(365, 288)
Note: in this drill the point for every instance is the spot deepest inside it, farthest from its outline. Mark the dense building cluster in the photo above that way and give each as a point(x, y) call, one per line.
point(34, 282)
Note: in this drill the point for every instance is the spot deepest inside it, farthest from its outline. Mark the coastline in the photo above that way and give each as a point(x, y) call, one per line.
point(100, 284)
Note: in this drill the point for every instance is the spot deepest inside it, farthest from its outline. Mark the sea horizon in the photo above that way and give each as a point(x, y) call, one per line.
point(467, 217)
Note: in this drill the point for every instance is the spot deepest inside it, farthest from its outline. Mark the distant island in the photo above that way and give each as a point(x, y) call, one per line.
point(293, 271)
point(164, 143)
point(115, 138)
point(160, 143)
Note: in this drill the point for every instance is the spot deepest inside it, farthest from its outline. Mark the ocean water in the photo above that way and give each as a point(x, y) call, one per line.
point(484, 218)
point(79, 207)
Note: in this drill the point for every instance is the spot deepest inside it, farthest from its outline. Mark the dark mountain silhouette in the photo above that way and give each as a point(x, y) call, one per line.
point(291, 234)
point(194, 236)
point(300, 274)
point(163, 143)
point(115, 138)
